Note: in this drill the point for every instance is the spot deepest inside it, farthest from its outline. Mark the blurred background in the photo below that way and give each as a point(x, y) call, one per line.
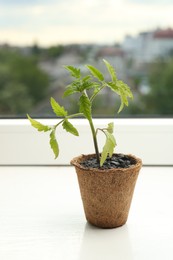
point(38, 37)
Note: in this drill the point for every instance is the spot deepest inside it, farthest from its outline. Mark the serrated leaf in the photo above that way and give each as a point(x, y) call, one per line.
point(74, 71)
point(111, 70)
point(54, 144)
point(40, 127)
point(86, 78)
point(95, 72)
point(87, 85)
point(85, 106)
point(113, 86)
point(71, 89)
point(70, 128)
point(116, 89)
point(111, 138)
point(121, 106)
point(123, 87)
point(110, 128)
point(58, 110)
point(120, 87)
point(125, 93)
point(108, 148)
point(123, 90)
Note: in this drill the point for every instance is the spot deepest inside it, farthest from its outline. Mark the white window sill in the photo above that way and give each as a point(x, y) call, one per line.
point(149, 139)
point(41, 218)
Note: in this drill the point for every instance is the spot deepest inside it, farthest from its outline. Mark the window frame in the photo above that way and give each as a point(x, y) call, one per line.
point(150, 139)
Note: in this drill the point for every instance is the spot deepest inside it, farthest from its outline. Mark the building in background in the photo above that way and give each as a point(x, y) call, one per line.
point(148, 46)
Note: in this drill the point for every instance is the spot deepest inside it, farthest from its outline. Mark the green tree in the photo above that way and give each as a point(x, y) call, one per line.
point(55, 51)
point(22, 83)
point(159, 99)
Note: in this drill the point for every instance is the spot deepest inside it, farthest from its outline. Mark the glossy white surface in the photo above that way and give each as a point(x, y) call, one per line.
point(41, 218)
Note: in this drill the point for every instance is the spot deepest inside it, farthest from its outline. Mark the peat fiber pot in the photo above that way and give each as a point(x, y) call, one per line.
point(106, 194)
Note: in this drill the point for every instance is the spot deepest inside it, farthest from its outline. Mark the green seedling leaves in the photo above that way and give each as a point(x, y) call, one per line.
point(110, 128)
point(95, 72)
point(79, 86)
point(85, 106)
point(70, 128)
point(70, 90)
point(108, 148)
point(111, 70)
point(40, 127)
point(87, 87)
point(118, 86)
point(113, 86)
point(74, 71)
point(110, 143)
point(58, 110)
point(54, 143)
point(73, 88)
point(86, 78)
point(123, 91)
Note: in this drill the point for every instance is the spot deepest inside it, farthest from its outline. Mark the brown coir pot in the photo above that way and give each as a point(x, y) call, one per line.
point(106, 194)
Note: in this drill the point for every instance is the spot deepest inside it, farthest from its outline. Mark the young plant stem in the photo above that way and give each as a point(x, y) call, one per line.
point(94, 140)
point(68, 117)
point(93, 131)
point(74, 115)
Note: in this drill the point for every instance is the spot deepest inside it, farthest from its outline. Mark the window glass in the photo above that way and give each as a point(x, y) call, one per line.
point(38, 37)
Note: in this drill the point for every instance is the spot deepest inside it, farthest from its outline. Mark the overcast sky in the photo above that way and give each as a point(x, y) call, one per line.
point(48, 22)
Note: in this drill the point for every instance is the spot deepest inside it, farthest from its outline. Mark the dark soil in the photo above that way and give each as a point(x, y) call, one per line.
point(116, 161)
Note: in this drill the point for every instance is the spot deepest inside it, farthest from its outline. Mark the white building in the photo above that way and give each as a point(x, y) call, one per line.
point(148, 46)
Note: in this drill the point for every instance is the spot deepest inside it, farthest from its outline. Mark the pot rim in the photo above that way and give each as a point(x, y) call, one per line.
point(76, 162)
